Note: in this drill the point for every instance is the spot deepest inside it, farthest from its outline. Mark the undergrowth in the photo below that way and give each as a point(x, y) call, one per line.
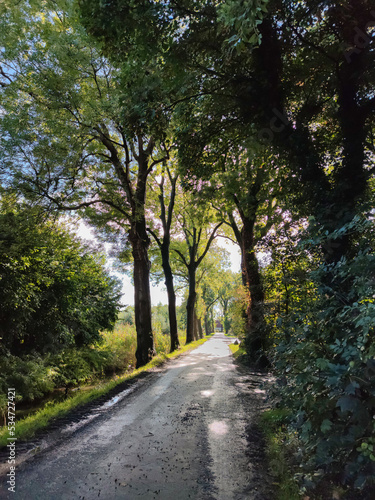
point(278, 446)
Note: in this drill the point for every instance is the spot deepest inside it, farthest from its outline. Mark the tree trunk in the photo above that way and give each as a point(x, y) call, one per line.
point(225, 315)
point(191, 305)
point(212, 321)
point(175, 343)
point(142, 296)
point(255, 327)
point(206, 324)
point(200, 331)
point(195, 329)
point(351, 177)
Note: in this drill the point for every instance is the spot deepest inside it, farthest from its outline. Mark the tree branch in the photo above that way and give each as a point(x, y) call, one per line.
point(154, 236)
point(227, 237)
point(212, 237)
point(182, 257)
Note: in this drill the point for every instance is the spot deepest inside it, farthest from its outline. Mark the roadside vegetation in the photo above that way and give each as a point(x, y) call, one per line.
point(280, 448)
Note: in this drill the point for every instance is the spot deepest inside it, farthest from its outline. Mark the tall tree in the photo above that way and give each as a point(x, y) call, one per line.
point(164, 243)
point(73, 139)
point(198, 233)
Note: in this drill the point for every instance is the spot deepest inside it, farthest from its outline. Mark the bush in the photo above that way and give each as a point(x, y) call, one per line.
point(73, 367)
point(121, 345)
point(55, 291)
point(327, 358)
point(162, 343)
point(28, 375)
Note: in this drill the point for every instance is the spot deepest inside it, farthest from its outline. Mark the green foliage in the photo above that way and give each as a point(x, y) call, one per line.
point(229, 281)
point(73, 367)
point(55, 291)
point(35, 376)
point(327, 355)
point(273, 424)
point(127, 315)
point(237, 311)
point(160, 319)
point(287, 281)
point(120, 345)
point(242, 19)
point(162, 343)
point(29, 375)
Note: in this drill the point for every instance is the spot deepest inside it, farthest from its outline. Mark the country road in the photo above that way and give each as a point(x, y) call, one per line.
point(187, 432)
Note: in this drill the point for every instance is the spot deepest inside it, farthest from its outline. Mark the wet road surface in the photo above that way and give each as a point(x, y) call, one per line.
point(184, 434)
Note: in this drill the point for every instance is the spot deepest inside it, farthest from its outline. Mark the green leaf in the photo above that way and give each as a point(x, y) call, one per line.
point(326, 425)
point(347, 403)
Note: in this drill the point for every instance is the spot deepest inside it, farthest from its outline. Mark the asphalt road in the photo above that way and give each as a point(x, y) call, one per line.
point(186, 433)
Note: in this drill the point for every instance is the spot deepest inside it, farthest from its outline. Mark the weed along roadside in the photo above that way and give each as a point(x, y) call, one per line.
point(66, 411)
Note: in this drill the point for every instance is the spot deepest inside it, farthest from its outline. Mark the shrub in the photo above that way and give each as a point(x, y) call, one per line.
point(73, 367)
point(28, 375)
point(327, 358)
point(121, 345)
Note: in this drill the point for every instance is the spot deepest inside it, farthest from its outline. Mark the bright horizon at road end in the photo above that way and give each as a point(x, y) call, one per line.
point(159, 292)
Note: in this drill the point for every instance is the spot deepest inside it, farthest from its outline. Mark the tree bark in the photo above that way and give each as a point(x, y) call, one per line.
point(225, 315)
point(255, 314)
point(190, 306)
point(255, 323)
point(142, 295)
point(206, 323)
point(199, 326)
point(195, 328)
point(175, 343)
point(212, 321)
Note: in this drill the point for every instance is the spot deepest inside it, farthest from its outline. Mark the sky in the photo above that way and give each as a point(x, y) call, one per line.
point(158, 293)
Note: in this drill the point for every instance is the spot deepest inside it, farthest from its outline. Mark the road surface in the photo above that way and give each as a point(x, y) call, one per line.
point(185, 433)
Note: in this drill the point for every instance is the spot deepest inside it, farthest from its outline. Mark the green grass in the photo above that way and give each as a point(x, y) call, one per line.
point(27, 427)
point(234, 348)
point(272, 423)
point(237, 350)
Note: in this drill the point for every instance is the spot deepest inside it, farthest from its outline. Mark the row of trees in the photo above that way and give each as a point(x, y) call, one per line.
point(80, 135)
point(272, 107)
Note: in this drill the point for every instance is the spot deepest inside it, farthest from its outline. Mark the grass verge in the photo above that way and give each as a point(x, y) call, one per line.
point(273, 426)
point(27, 427)
point(237, 350)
